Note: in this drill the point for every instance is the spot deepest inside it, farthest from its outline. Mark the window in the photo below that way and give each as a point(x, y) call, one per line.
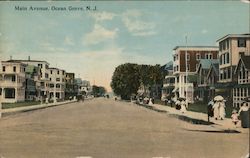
point(241, 42)
point(46, 66)
point(51, 72)
point(46, 75)
point(3, 68)
point(220, 45)
point(63, 72)
point(14, 69)
point(57, 85)
point(221, 60)
point(58, 72)
point(188, 67)
point(51, 85)
point(198, 56)
point(0, 91)
point(188, 56)
point(227, 61)
point(57, 79)
point(13, 78)
point(50, 79)
point(210, 56)
point(42, 84)
point(229, 73)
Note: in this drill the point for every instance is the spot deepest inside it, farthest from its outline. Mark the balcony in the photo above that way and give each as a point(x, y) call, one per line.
point(9, 83)
point(168, 84)
point(244, 81)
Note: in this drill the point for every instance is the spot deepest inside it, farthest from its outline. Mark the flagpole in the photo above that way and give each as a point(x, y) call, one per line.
point(186, 71)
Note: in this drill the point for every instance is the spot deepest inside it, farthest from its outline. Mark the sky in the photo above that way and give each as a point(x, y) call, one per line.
point(91, 43)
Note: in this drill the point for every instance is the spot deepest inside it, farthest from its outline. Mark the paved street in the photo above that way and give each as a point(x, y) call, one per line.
point(104, 128)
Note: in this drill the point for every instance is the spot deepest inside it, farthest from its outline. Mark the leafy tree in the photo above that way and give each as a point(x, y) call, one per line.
point(125, 80)
point(98, 90)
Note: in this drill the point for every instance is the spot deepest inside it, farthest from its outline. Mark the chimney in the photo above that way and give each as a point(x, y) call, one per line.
point(11, 57)
point(29, 58)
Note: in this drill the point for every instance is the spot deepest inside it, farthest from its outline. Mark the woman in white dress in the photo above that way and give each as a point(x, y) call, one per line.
point(216, 110)
point(222, 112)
point(183, 106)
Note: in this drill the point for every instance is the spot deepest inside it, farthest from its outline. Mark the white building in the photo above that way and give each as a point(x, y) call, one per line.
point(57, 83)
point(12, 81)
point(43, 81)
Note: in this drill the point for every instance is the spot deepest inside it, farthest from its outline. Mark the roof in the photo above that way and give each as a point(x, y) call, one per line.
point(206, 63)
point(215, 68)
point(184, 47)
point(27, 61)
point(245, 60)
point(234, 36)
point(168, 66)
point(16, 62)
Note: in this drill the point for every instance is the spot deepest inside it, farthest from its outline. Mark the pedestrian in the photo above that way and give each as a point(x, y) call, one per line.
point(183, 106)
point(210, 112)
point(216, 110)
point(234, 117)
point(178, 105)
point(222, 112)
point(244, 115)
point(150, 102)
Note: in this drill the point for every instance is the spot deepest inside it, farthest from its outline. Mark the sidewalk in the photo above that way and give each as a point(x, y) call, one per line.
point(225, 124)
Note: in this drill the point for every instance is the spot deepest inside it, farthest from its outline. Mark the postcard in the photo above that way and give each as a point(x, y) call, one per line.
point(124, 79)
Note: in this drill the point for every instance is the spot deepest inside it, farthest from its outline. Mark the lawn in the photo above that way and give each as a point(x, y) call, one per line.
point(19, 104)
point(200, 107)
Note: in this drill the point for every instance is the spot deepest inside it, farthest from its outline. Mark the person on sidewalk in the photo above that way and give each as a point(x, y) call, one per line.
point(150, 102)
point(183, 106)
point(244, 115)
point(222, 112)
point(234, 117)
point(210, 112)
point(216, 110)
point(178, 105)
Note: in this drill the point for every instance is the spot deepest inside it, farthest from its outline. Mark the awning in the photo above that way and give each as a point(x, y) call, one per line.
point(176, 89)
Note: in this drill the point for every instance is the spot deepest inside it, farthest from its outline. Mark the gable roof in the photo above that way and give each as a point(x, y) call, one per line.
point(206, 63)
point(245, 60)
point(213, 67)
point(168, 66)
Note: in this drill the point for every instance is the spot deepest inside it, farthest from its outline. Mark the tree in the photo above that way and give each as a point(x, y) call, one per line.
point(98, 90)
point(126, 80)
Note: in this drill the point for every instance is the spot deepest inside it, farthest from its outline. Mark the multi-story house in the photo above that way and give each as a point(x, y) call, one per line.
point(71, 86)
point(242, 90)
point(43, 81)
point(186, 60)
point(231, 48)
point(202, 82)
point(32, 87)
point(12, 81)
point(57, 83)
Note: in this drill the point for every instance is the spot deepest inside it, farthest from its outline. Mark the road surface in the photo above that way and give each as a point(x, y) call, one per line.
point(104, 128)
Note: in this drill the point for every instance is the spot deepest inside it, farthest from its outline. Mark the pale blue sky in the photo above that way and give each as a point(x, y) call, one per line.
point(93, 43)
